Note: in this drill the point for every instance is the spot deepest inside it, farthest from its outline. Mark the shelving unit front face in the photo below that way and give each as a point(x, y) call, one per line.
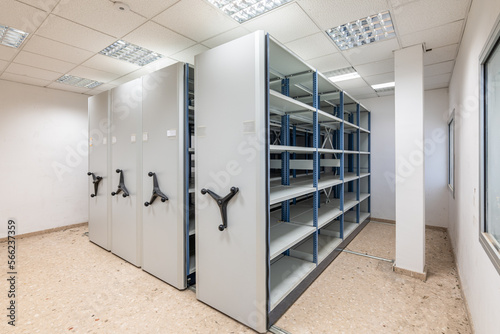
point(163, 241)
point(126, 155)
point(231, 151)
point(99, 224)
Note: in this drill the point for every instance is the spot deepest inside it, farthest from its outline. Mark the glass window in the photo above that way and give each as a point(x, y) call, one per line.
point(491, 154)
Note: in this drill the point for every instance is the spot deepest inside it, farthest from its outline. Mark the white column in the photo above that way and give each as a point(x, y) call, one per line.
point(410, 188)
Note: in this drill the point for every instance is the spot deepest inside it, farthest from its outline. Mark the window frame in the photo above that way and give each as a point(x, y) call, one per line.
point(489, 243)
point(451, 159)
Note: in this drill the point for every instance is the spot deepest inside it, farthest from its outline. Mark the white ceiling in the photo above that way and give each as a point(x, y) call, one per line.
point(67, 35)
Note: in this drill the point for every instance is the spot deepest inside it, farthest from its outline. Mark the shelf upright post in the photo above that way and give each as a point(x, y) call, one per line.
point(316, 165)
point(358, 158)
point(285, 165)
point(294, 143)
point(369, 159)
point(341, 146)
point(306, 143)
point(350, 157)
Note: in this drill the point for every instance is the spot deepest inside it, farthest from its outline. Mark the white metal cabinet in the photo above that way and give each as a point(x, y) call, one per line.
point(164, 154)
point(99, 176)
point(231, 265)
point(126, 156)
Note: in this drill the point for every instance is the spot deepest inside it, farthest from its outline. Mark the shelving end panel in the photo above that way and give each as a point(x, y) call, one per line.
point(232, 147)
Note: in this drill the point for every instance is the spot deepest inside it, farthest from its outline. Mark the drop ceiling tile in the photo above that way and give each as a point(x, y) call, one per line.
point(74, 34)
point(286, 23)
point(329, 62)
point(93, 74)
point(47, 47)
point(7, 53)
point(435, 37)
point(440, 68)
point(314, 46)
point(378, 67)
point(111, 65)
point(370, 53)
point(437, 79)
point(420, 15)
point(46, 63)
point(157, 38)
point(438, 55)
point(3, 65)
point(226, 37)
point(68, 88)
point(100, 15)
point(150, 8)
point(44, 5)
point(100, 89)
point(367, 96)
point(187, 56)
point(195, 19)
point(24, 79)
point(328, 14)
point(437, 85)
point(386, 93)
point(360, 91)
point(21, 16)
point(32, 72)
point(145, 70)
point(380, 78)
point(351, 84)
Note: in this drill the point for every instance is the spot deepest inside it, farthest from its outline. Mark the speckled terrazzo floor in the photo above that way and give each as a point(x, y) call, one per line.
point(68, 285)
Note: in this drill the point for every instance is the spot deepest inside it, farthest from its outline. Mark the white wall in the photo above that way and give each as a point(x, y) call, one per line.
point(480, 280)
point(383, 160)
point(43, 152)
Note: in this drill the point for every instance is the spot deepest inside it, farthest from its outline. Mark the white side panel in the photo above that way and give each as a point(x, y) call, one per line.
point(230, 120)
point(126, 155)
point(163, 154)
point(99, 222)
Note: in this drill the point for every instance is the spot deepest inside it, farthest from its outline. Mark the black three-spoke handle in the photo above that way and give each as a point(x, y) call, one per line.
point(222, 203)
point(121, 186)
point(156, 191)
point(95, 181)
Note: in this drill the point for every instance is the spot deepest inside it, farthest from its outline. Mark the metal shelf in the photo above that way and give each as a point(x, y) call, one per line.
point(286, 274)
point(326, 245)
point(349, 201)
point(282, 193)
point(286, 235)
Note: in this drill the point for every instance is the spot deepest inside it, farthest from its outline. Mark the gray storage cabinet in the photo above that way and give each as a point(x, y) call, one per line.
point(165, 158)
point(99, 171)
point(126, 165)
point(279, 177)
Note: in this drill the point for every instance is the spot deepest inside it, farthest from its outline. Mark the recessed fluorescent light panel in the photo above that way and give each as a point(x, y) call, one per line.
point(131, 53)
point(384, 86)
point(343, 74)
point(244, 10)
point(78, 82)
point(366, 30)
point(12, 37)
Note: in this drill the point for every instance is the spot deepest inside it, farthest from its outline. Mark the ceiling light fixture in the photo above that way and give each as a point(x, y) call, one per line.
point(343, 74)
point(384, 85)
point(366, 30)
point(78, 82)
point(12, 37)
point(244, 10)
point(131, 53)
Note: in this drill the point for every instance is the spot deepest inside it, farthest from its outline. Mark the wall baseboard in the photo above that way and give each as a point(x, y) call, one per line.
point(389, 221)
point(50, 230)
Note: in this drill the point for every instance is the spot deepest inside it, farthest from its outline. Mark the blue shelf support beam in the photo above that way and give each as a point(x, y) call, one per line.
point(285, 165)
point(316, 164)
